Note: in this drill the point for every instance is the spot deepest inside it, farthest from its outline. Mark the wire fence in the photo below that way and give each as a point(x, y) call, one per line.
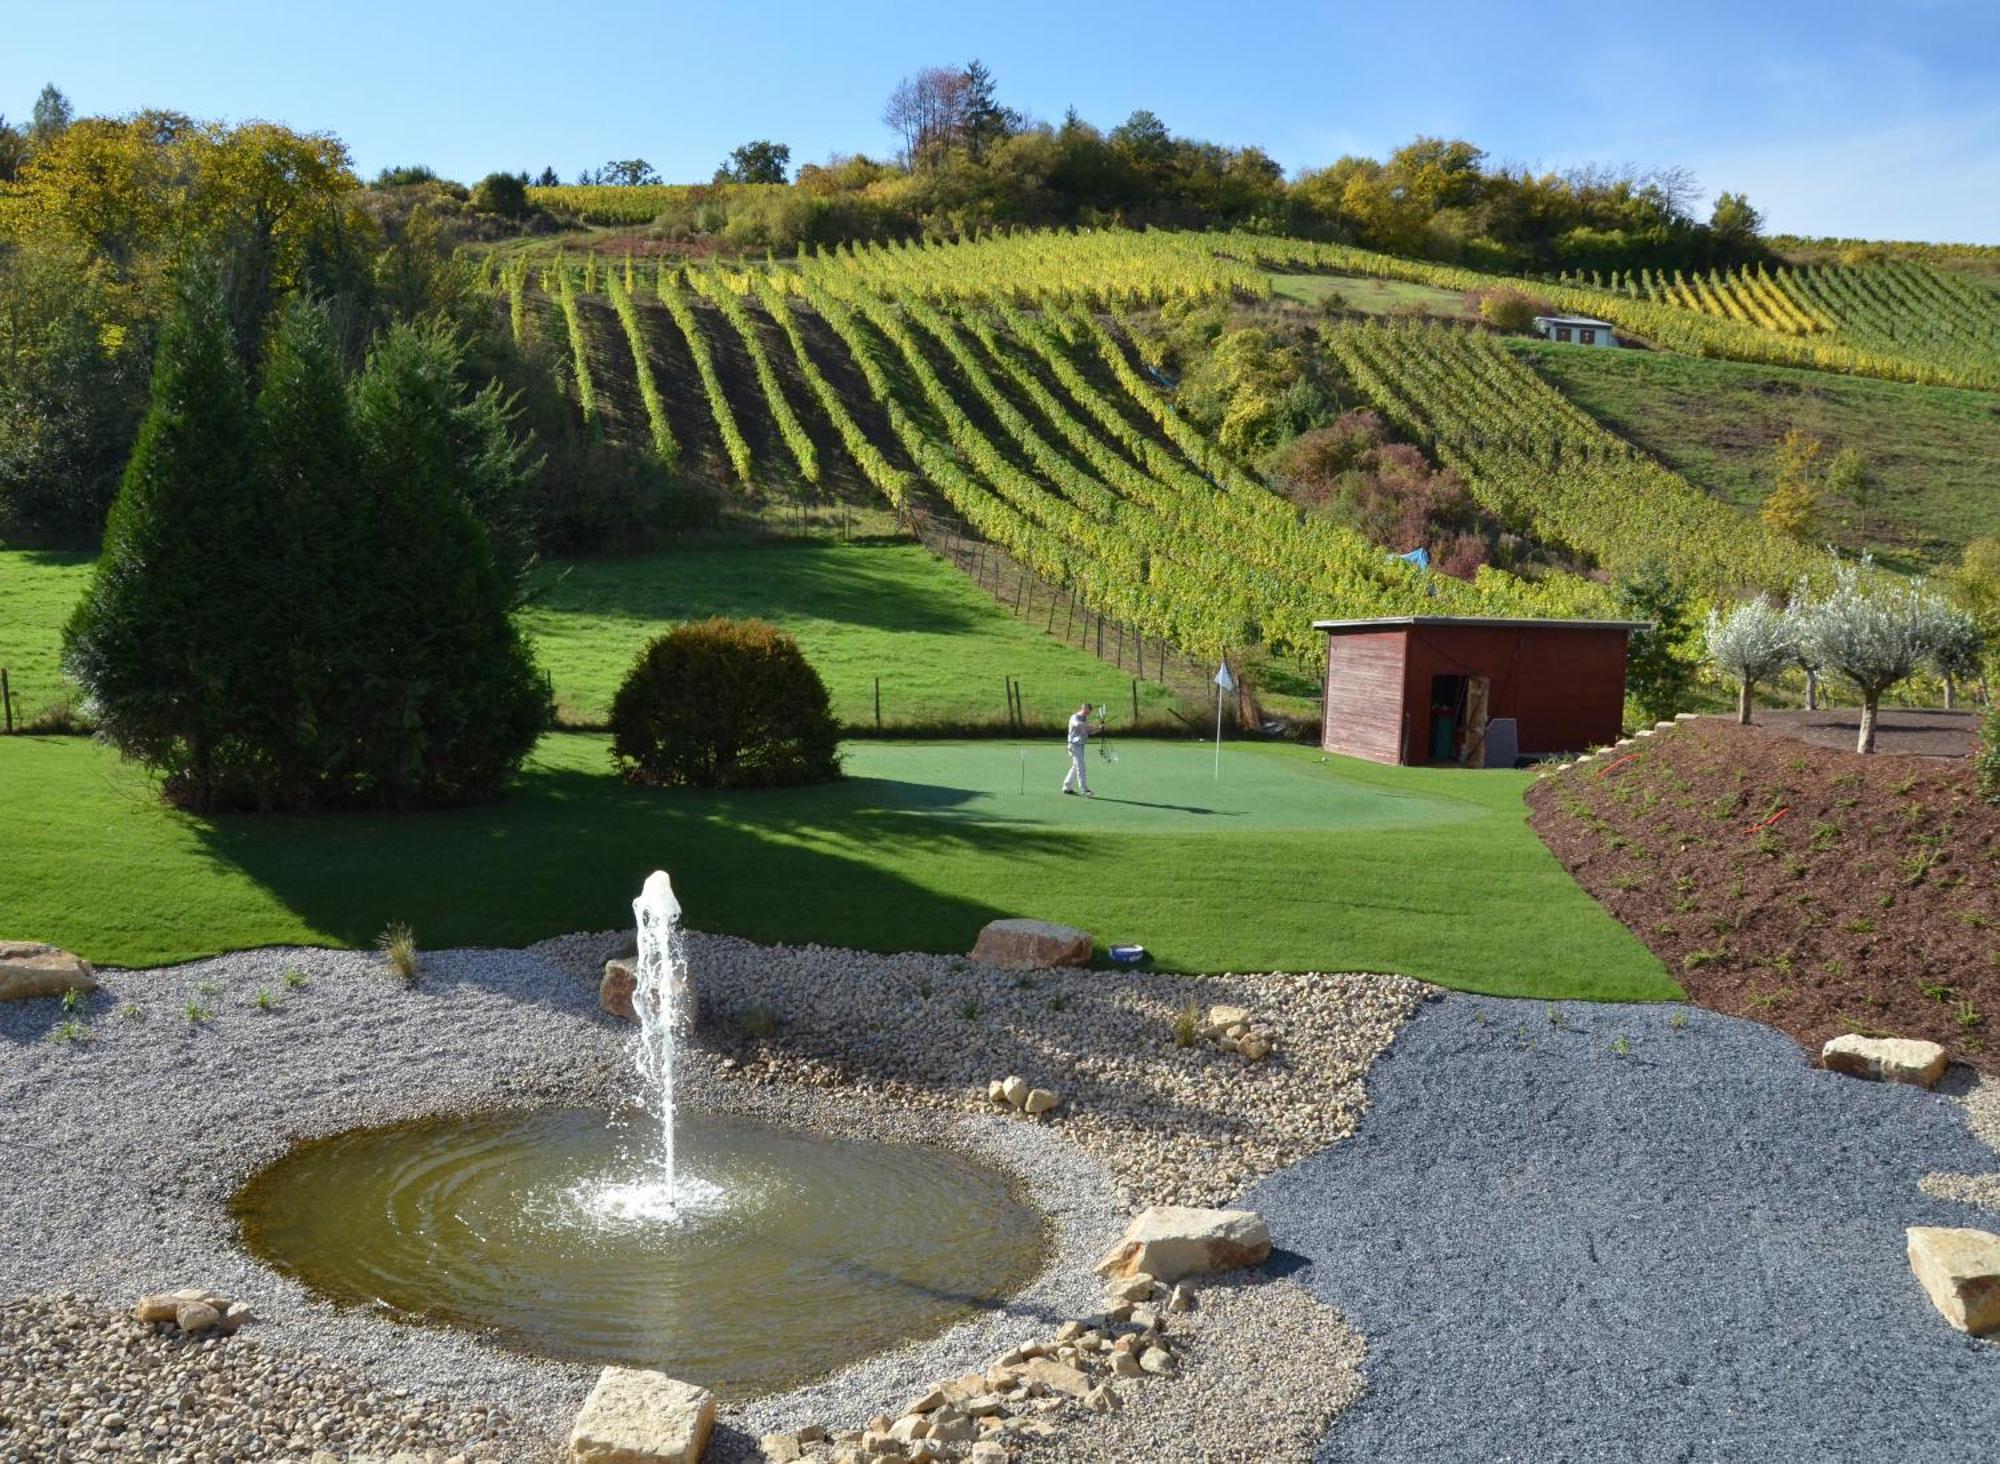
point(1058, 611)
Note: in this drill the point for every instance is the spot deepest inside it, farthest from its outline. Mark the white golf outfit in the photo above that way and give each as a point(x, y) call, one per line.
point(1079, 736)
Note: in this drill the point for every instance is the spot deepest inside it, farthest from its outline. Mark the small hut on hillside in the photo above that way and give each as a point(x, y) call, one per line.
point(1472, 691)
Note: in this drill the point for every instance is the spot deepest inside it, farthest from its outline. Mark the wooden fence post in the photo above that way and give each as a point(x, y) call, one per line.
point(878, 704)
point(7, 700)
point(1135, 702)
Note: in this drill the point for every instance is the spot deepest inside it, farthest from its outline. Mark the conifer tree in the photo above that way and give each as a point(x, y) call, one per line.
point(159, 639)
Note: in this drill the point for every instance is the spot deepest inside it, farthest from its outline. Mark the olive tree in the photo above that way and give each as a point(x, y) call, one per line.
point(1960, 650)
point(1753, 642)
point(1873, 632)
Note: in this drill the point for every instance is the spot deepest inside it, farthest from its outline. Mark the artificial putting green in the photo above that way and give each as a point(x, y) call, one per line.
point(1288, 861)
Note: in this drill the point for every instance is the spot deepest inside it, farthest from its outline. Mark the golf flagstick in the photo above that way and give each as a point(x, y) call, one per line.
point(1223, 682)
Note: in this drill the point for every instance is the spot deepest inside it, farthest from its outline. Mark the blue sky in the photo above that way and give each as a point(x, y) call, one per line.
point(1878, 120)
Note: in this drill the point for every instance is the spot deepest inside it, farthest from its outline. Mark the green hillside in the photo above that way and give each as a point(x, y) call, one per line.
point(1930, 451)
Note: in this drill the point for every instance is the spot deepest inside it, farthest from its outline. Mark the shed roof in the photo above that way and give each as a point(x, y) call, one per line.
point(1573, 320)
point(1484, 622)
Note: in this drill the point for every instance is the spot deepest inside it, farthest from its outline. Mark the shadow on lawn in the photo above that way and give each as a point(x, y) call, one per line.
point(778, 581)
point(568, 849)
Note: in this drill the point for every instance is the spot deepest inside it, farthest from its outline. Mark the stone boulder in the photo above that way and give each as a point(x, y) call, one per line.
point(633, 1416)
point(1168, 1242)
point(621, 984)
point(1960, 1270)
point(30, 968)
point(1893, 1059)
point(1032, 944)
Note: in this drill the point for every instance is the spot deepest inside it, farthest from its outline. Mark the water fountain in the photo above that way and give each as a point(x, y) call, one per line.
point(724, 1249)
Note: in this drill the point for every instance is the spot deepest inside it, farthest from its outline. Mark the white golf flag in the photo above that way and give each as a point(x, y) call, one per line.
point(1224, 680)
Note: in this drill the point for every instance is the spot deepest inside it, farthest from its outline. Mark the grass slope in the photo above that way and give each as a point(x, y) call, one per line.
point(1288, 861)
point(37, 590)
point(942, 647)
point(1931, 449)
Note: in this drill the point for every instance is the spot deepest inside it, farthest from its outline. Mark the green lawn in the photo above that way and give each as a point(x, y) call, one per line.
point(1289, 861)
point(1371, 296)
point(37, 590)
point(942, 648)
point(1932, 449)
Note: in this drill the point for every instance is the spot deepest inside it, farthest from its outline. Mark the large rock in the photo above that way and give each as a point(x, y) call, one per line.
point(1960, 1269)
point(638, 1417)
point(1168, 1242)
point(1896, 1059)
point(621, 984)
point(614, 993)
point(30, 968)
point(1031, 943)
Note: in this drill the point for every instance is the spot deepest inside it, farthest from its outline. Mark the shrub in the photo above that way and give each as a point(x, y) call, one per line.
point(398, 947)
point(724, 704)
point(501, 193)
point(1510, 310)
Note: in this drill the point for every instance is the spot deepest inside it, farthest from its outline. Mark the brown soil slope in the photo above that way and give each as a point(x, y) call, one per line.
point(1819, 891)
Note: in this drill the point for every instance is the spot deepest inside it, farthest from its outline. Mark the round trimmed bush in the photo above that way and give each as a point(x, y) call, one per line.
point(724, 704)
point(500, 193)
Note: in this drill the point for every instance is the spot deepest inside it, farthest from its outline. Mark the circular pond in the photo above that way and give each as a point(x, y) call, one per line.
point(791, 1253)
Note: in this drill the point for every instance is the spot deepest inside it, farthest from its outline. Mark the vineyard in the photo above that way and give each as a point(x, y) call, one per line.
point(1896, 306)
point(1535, 459)
point(1904, 322)
point(990, 380)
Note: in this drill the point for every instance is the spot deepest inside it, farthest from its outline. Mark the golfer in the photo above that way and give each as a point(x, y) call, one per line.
point(1079, 738)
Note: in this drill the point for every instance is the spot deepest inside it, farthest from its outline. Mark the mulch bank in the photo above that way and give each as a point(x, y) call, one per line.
point(1819, 891)
point(1907, 731)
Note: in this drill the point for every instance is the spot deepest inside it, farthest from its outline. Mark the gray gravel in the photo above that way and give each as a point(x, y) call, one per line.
point(1692, 1251)
point(124, 1147)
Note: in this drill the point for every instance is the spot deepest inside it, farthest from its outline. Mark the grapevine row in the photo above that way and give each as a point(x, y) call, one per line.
point(804, 454)
point(674, 295)
point(664, 446)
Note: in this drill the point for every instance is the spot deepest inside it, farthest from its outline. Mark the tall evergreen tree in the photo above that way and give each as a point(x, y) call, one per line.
point(157, 640)
point(453, 700)
point(307, 461)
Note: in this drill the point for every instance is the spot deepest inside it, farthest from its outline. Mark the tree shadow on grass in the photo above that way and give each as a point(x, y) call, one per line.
point(568, 849)
point(778, 581)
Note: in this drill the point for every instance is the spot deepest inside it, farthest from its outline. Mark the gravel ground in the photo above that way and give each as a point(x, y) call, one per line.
point(1690, 1249)
point(124, 1147)
point(1980, 1097)
point(1264, 1371)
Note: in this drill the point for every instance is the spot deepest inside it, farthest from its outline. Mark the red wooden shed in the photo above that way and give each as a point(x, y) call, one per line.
point(1470, 690)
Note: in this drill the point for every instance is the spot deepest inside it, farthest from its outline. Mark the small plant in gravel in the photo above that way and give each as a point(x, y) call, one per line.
point(1479, 1016)
point(1859, 925)
point(208, 988)
point(1966, 1014)
point(1824, 837)
point(69, 1030)
point(1187, 1024)
point(1059, 1001)
point(72, 1000)
point(1936, 990)
point(131, 1012)
point(265, 1000)
point(1555, 1015)
point(294, 978)
point(1696, 959)
point(197, 1014)
point(759, 1019)
point(1627, 883)
point(1621, 1046)
point(398, 946)
point(969, 1009)
point(924, 988)
point(1679, 1020)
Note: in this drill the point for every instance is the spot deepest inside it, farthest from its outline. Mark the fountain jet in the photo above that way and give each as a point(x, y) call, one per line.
point(656, 1002)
